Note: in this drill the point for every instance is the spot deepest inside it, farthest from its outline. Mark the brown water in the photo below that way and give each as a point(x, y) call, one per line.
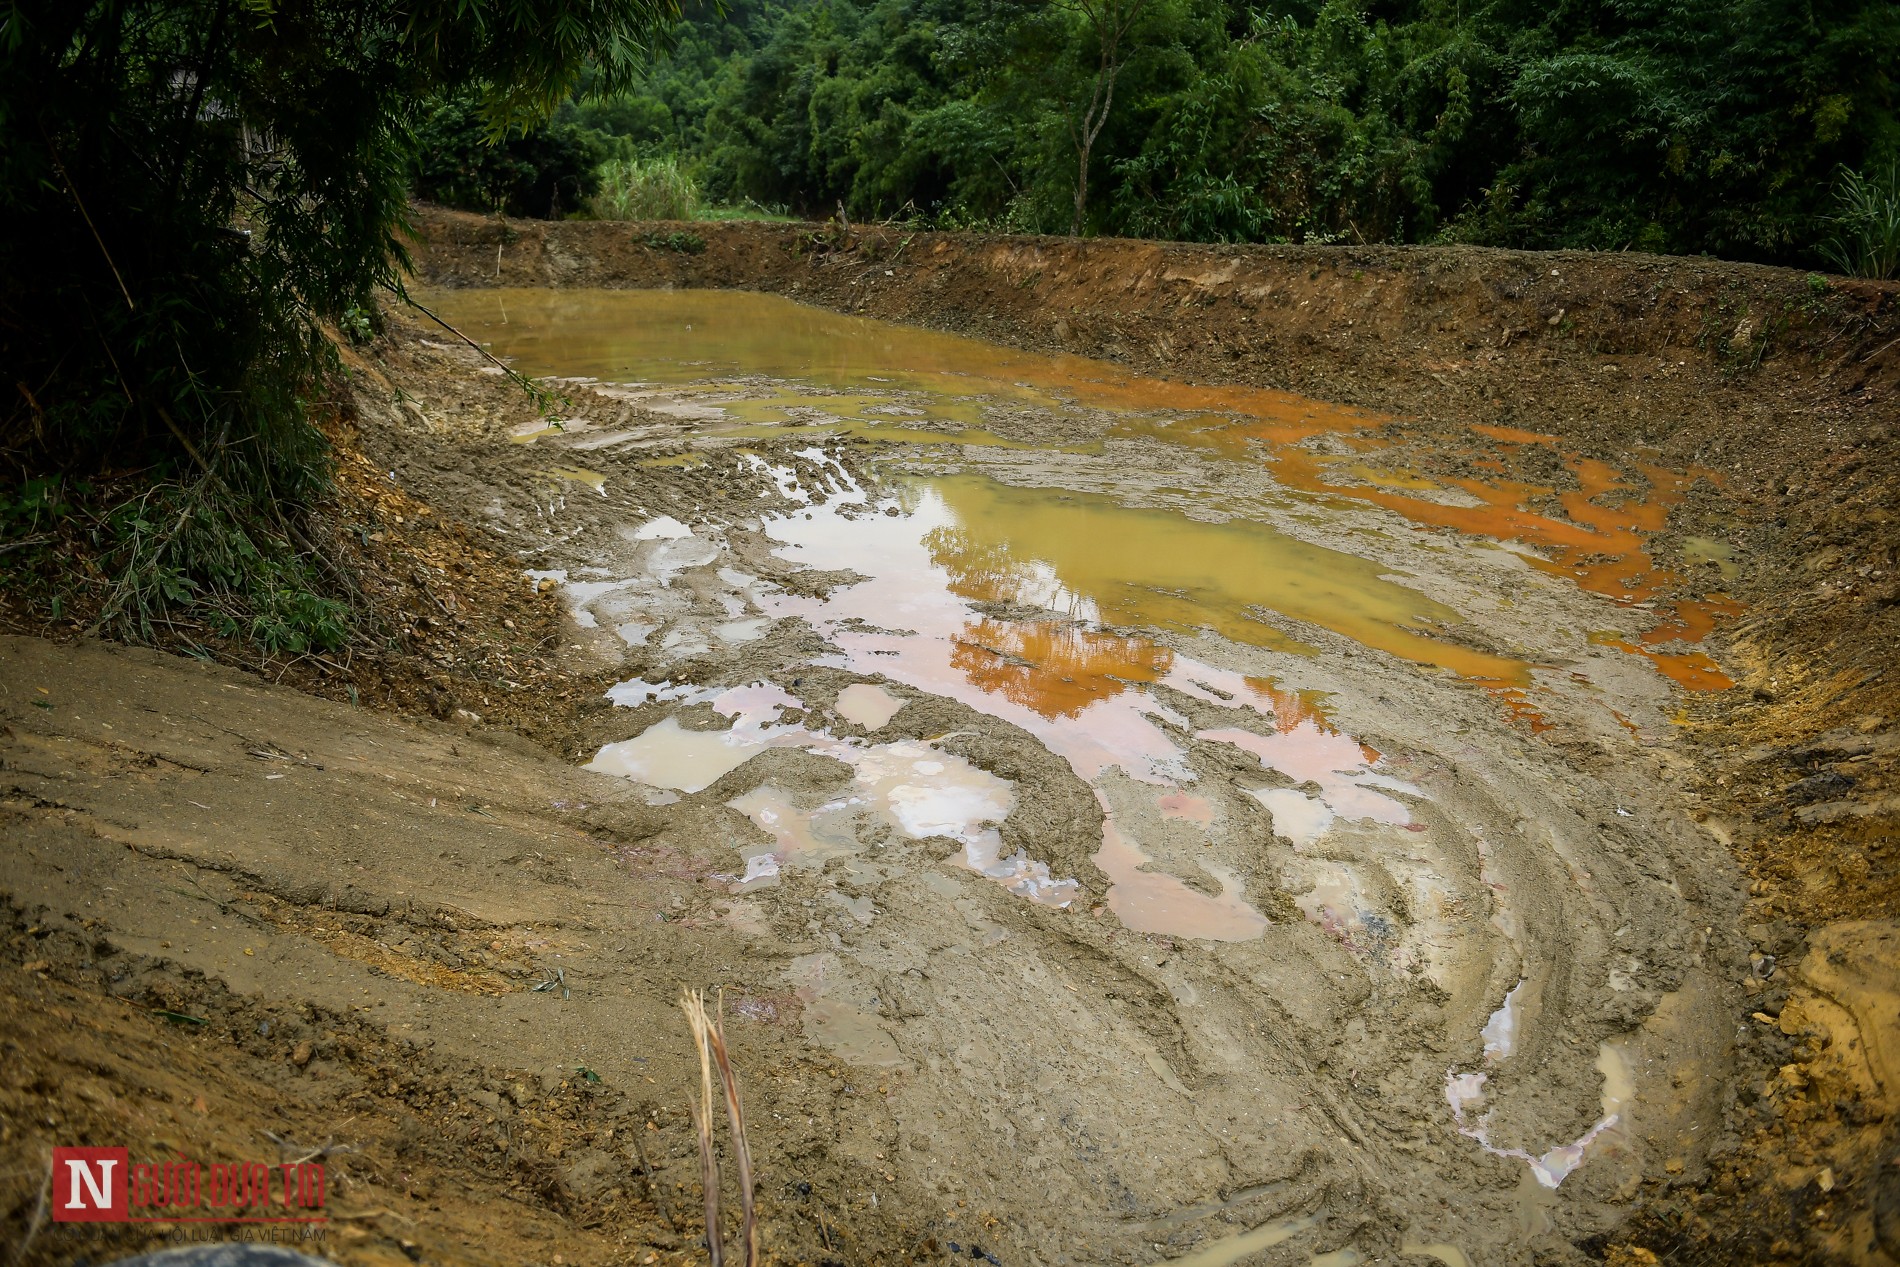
point(903, 383)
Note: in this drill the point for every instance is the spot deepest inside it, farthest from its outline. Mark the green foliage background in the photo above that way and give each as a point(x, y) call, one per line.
point(1682, 126)
point(190, 191)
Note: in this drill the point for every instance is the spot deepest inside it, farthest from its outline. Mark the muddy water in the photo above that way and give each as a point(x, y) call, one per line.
point(1332, 754)
point(893, 382)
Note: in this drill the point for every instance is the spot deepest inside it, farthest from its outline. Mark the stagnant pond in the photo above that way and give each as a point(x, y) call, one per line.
point(1187, 594)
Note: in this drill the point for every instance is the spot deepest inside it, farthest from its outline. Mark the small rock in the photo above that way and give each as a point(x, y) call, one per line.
point(465, 717)
point(35, 965)
point(300, 1054)
point(546, 586)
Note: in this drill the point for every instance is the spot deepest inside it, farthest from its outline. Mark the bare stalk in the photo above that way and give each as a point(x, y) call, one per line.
point(694, 1005)
point(38, 1218)
point(735, 1117)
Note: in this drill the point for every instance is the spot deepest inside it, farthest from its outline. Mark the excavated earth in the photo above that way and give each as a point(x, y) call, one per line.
point(1262, 755)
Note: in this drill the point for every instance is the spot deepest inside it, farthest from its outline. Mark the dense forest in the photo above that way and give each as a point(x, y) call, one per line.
point(1741, 128)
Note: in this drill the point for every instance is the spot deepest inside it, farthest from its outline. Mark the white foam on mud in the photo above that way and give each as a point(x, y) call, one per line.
point(663, 528)
point(1500, 1032)
point(1300, 818)
point(1466, 1091)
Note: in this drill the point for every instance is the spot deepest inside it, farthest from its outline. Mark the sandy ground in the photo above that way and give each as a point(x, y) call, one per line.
point(358, 906)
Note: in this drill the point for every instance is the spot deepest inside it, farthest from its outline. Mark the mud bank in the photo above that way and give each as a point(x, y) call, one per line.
point(1372, 893)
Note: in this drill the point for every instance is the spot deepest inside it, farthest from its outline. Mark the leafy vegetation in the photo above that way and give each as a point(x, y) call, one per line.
point(1665, 125)
point(1866, 224)
point(543, 172)
point(685, 243)
point(192, 191)
point(645, 189)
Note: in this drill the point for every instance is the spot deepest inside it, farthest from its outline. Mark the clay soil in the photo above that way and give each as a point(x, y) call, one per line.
point(278, 909)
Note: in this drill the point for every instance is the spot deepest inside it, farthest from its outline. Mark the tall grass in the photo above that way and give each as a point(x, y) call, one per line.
point(1866, 220)
point(645, 189)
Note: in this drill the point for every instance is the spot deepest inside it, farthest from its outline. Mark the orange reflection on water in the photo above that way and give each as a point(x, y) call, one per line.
point(1121, 566)
point(1290, 708)
point(1055, 667)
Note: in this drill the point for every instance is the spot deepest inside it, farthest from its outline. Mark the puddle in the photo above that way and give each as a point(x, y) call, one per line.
point(1708, 550)
point(911, 784)
point(1232, 1249)
point(578, 475)
point(869, 706)
point(1466, 1094)
point(1096, 696)
point(838, 1017)
point(1444, 1252)
point(682, 337)
point(901, 383)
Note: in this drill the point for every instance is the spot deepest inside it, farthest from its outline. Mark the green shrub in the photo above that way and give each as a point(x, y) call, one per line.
point(645, 189)
point(1866, 222)
point(684, 243)
point(543, 173)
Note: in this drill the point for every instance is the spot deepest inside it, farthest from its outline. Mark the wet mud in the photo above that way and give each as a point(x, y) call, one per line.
point(1435, 809)
point(1174, 817)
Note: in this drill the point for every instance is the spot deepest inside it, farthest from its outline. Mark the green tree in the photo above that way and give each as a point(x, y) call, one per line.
point(190, 189)
point(1107, 25)
point(1678, 125)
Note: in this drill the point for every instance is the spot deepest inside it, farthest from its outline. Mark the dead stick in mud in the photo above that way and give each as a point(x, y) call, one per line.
point(735, 1118)
point(694, 1005)
point(38, 1219)
point(653, 1186)
point(111, 263)
point(527, 384)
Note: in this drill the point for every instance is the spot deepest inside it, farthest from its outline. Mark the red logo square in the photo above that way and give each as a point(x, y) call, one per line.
point(89, 1185)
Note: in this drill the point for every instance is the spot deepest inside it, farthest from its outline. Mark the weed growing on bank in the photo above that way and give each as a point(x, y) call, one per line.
point(172, 562)
point(645, 189)
point(1866, 223)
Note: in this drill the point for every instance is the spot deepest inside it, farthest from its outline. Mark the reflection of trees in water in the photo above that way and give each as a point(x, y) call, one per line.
point(983, 573)
point(1054, 667)
point(1059, 668)
point(1291, 708)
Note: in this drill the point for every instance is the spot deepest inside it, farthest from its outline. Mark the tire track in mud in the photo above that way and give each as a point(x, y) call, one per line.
point(1193, 1067)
